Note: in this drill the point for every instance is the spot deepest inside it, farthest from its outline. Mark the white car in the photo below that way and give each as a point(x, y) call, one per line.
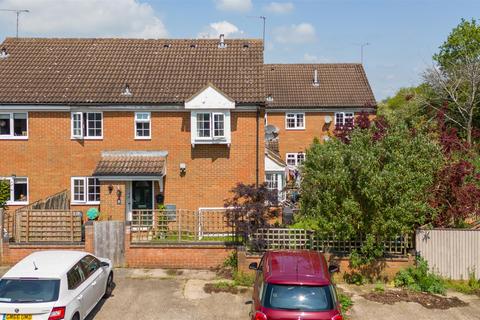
point(55, 285)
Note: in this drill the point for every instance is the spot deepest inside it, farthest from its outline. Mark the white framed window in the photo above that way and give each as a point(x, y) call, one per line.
point(85, 190)
point(210, 127)
point(87, 125)
point(143, 125)
point(295, 120)
point(344, 119)
point(295, 159)
point(13, 125)
point(272, 181)
point(275, 182)
point(18, 190)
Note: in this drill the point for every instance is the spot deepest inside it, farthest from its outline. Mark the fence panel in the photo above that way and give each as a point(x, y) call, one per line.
point(48, 226)
point(452, 253)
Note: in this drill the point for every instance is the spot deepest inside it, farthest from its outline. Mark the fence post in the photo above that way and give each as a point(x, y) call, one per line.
point(27, 227)
point(71, 226)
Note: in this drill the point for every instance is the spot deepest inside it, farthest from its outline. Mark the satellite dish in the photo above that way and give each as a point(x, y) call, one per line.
point(328, 119)
point(271, 132)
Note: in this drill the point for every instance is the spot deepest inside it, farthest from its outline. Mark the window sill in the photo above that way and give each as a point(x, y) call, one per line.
point(143, 138)
point(86, 138)
point(13, 137)
point(17, 203)
point(295, 129)
point(85, 203)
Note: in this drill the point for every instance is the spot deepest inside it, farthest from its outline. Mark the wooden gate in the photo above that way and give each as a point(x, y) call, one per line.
point(109, 241)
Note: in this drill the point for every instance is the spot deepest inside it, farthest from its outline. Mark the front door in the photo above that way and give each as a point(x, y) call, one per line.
point(142, 195)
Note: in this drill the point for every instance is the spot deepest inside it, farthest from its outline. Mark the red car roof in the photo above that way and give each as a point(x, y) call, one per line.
point(296, 267)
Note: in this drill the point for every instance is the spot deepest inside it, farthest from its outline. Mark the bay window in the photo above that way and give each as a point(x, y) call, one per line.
point(210, 127)
point(87, 125)
point(13, 125)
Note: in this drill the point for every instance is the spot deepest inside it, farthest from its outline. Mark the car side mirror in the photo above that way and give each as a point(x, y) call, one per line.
point(253, 266)
point(104, 264)
point(333, 268)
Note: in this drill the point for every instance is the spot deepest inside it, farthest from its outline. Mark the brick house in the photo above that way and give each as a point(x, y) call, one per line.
point(304, 101)
point(129, 124)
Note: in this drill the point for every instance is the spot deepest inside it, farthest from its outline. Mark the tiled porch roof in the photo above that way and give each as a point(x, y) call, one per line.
point(133, 163)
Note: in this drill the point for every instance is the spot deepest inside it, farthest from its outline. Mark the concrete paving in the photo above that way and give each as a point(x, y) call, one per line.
point(161, 294)
point(365, 310)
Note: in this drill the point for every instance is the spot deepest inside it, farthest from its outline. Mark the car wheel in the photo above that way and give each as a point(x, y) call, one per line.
point(109, 287)
point(76, 317)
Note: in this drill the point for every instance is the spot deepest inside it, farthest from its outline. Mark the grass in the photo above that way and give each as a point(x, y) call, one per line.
point(470, 286)
point(243, 279)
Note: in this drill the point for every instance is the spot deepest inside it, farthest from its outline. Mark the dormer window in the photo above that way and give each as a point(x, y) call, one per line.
point(210, 117)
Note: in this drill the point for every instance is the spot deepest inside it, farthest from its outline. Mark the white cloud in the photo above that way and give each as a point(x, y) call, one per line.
point(86, 18)
point(215, 29)
point(311, 58)
point(234, 5)
point(280, 7)
point(296, 33)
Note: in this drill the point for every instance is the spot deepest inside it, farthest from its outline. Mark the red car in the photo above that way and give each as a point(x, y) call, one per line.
point(294, 285)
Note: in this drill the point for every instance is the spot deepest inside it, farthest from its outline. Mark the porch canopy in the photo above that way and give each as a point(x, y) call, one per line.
point(131, 165)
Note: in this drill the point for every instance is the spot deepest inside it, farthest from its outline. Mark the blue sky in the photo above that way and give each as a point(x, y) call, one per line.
point(403, 34)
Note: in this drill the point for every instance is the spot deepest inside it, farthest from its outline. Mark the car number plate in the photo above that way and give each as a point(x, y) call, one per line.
point(17, 317)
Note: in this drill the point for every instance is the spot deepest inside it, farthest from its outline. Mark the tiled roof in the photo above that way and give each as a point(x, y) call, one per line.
point(95, 71)
point(340, 85)
point(130, 164)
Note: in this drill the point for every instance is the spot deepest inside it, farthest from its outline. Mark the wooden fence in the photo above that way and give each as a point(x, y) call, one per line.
point(181, 226)
point(452, 253)
point(285, 238)
point(48, 226)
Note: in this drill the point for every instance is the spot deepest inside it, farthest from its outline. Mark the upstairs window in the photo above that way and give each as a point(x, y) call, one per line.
point(18, 190)
point(344, 119)
point(87, 125)
point(295, 159)
point(13, 125)
point(210, 125)
point(142, 125)
point(295, 121)
point(85, 190)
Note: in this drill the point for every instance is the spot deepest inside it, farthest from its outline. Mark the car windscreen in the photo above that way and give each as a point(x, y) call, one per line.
point(29, 290)
point(296, 297)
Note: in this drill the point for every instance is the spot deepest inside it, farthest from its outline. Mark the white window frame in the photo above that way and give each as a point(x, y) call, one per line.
point(149, 121)
point(213, 138)
point(85, 200)
point(84, 128)
point(294, 155)
point(279, 177)
point(11, 181)
point(295, 116)
point(345, 115)
point(12, 135)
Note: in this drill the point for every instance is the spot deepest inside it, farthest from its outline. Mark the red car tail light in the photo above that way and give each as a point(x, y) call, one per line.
point(260, 316)
point(58, 313)
point(337, 317)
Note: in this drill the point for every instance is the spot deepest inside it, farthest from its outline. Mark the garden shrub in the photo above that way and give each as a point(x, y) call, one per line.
point(419, 278)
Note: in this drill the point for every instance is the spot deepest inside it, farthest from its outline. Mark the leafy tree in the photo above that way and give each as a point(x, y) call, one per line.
point(250, 208)
point(374, 187)
point(457, 77)
point(4, 193)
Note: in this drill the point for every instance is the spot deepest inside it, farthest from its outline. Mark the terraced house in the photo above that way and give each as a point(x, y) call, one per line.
point(124, 125)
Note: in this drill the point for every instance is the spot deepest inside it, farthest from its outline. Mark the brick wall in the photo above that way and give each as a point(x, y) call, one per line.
point(384, 269)
point(49, 158)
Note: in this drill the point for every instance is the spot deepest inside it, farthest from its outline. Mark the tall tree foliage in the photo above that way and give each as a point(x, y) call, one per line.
point(373, 184)
point(456, 77)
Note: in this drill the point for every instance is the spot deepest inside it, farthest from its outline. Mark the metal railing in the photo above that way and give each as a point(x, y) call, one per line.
point(181, 226)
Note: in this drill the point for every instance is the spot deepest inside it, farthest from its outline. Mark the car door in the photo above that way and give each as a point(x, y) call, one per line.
point(95, 278)
point(77, 287)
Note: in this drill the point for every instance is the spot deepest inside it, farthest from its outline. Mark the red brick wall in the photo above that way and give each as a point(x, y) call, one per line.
point(299, 140)
point(14, 253)
point(50, 158)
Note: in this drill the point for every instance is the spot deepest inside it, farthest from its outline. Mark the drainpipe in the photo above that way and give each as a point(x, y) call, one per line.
point(257, 152)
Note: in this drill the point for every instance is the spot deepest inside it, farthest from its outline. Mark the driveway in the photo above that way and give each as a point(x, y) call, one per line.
point(161, 294)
